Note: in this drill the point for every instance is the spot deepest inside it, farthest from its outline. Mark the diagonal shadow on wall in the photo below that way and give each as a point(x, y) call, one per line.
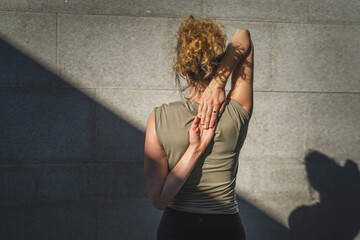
point(72, 169)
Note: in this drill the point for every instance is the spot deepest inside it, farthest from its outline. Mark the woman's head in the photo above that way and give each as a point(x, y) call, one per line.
point(200, 47)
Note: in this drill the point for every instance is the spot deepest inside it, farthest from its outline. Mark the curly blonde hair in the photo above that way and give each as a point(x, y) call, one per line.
point(200, 48)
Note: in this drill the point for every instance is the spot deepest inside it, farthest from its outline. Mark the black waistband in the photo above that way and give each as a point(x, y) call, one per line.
point(185, 216)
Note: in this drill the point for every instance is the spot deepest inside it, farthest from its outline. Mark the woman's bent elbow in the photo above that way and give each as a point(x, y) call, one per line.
point(160, 207)
point(242, 30)
point(158, 204)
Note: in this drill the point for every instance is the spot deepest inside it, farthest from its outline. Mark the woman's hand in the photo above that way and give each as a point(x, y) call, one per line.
point(212, 99)
point(199, 137)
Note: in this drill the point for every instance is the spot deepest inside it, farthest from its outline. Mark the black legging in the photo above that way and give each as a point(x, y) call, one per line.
point(176, 225)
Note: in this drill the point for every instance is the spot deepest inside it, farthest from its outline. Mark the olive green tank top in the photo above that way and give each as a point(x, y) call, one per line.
point(210, 187)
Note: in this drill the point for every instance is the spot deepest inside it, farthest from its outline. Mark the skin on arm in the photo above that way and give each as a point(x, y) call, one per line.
point(213, 97)
point(242, 82)
point(163, 185)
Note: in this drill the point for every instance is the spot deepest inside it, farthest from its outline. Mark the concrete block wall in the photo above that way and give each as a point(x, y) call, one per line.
point(79, 79)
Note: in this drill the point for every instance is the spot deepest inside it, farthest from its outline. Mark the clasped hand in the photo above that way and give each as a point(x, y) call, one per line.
point(199, 137)
point(212, 104)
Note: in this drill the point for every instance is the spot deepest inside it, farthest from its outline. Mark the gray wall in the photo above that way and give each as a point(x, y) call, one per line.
point(78, 80)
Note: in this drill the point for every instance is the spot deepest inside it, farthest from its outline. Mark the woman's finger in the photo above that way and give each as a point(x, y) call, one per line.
point(197, 120)
point(208, 116)
point(213, 119)
point(214, 115)
point(195, 123)
point(201, 104)
point(222, 108)
point(203, 113)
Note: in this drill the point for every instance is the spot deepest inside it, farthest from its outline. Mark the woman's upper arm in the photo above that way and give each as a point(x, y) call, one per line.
point(155, 162)
point(242, 81)
point(241, 40)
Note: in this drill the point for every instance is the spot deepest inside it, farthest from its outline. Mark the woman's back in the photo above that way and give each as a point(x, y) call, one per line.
point(191, 153)
point(210, 187)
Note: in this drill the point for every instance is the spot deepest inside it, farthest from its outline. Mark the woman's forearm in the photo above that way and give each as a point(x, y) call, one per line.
point(235, 52)
point(178, 175)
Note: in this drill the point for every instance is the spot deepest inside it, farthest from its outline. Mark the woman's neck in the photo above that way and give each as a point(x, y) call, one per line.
point(195, 93)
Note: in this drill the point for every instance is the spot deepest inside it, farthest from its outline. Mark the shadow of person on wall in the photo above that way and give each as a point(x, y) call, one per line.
point(337, 215)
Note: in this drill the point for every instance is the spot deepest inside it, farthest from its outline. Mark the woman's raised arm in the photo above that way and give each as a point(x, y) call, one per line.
point(213, 97)
point(242, 81)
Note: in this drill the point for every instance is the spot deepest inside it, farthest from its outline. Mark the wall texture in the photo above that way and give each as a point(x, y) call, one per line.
point(78, 80)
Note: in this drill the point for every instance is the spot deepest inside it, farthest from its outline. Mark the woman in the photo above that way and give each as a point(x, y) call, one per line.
point(192, 145)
